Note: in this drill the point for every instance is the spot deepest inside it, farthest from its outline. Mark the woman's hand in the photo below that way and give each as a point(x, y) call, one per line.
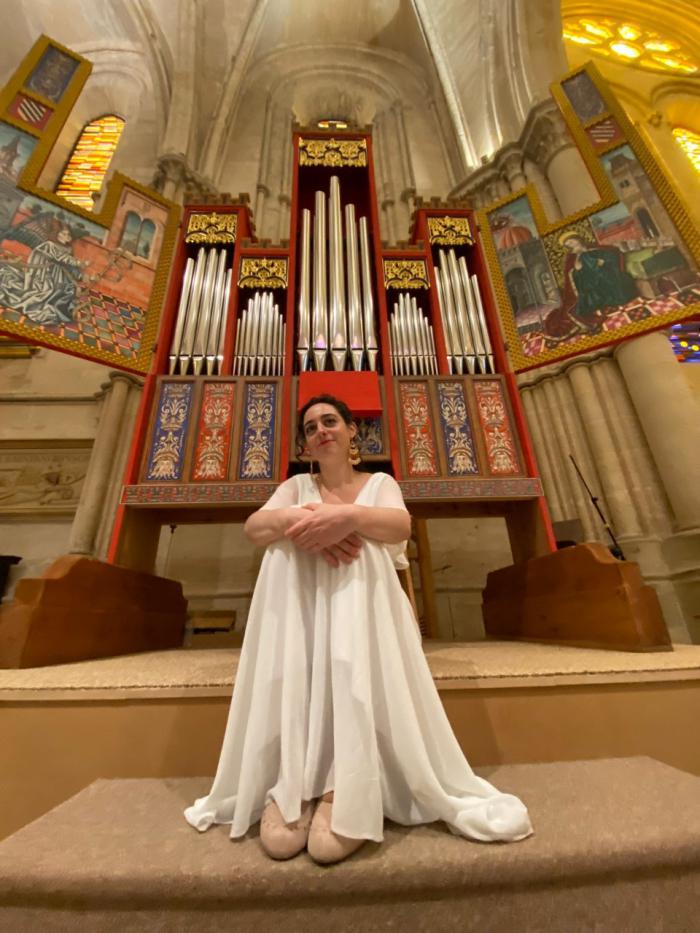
point(324, 526)
point(345, 552)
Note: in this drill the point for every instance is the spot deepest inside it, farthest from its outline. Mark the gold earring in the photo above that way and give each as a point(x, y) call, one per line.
point(354, 453)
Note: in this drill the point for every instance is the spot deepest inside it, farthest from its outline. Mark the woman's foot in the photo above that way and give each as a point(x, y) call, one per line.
point(325, 846)
point(284, 840)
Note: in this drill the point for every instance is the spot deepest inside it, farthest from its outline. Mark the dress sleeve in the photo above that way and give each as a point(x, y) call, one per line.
point(285, 496)
point(389, 494)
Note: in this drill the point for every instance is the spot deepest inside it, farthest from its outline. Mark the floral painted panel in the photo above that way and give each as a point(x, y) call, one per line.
point(213, 446)
point(456, 429)
point(257, 442)
point(165, 460)
point(495, 424)
point(419, 438)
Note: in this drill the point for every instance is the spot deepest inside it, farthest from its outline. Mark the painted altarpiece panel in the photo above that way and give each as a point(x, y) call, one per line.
point(625, 265)
point(71, 279)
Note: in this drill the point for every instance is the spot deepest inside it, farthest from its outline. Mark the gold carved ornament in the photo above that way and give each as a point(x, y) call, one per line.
point(450, 231)
point(405, 273)
point(263, 273)
point(333, 153)
point(212, 228)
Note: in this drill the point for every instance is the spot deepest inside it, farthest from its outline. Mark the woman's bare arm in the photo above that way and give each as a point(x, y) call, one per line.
point(326, 524)
point(268, 525)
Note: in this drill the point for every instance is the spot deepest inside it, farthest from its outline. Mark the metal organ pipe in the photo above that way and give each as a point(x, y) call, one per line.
point(354, 301)
point(412, 347)
point(304, 340)
point(367, 299)
point(320, 306)
point(200, 325)
point(341, 304)
point(336, 281)
point(181, 315)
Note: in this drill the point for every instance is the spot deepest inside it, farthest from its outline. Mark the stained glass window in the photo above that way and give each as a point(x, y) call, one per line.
point(632, 43)
point(689, 143)
point(89, 161)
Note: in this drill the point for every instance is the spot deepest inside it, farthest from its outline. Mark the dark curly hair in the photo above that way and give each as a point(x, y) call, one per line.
point(324, 399)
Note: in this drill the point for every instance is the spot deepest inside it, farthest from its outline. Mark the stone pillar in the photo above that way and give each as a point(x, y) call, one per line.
point(385, 181)
point(569, 178)
point(542, 454)
point(408, 194)
point(643, 482)
point(623, 517)
point(107, 439)
point(511, 165)
point(536, 176)
point(670, 418)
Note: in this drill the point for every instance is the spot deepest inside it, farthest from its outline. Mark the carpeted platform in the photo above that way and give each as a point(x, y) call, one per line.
point(617, 848)
point(453, 664)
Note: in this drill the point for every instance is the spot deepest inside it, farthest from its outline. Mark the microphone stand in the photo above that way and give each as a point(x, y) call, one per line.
point(615, 550)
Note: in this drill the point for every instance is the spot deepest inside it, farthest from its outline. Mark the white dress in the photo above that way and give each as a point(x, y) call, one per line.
point(333, 692)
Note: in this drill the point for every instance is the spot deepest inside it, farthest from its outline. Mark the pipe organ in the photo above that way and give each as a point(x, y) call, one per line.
point(407, 336)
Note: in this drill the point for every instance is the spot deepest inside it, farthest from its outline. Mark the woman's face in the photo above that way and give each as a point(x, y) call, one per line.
point(574, 245)
point(326, 436)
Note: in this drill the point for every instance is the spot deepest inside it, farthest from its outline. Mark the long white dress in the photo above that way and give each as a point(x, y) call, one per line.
point(333, 692)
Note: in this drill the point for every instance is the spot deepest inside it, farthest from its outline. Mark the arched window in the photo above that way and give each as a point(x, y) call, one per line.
point(137, 235)
point(88, 163)
point(689, 143)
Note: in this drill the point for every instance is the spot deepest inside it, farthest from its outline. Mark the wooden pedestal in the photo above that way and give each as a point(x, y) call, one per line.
point(82, 609)
point(577, 596)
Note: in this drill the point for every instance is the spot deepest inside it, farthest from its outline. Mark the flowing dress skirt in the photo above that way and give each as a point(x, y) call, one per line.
point(333, 692)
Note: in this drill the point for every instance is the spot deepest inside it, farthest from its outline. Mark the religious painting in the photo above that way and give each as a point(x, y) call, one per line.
point(617, 269)
point(528, 275)
point(57, 277)
point(87, 283)
point(52, 74)
point(584, 97)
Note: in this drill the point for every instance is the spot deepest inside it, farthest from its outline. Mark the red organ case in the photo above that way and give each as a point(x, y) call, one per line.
point(408, 336)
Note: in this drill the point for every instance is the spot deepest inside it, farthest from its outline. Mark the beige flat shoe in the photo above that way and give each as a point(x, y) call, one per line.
point(282, 840)
point(324, 846)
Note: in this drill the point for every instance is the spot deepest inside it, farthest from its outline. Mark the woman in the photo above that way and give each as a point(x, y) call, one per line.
point(335, 722)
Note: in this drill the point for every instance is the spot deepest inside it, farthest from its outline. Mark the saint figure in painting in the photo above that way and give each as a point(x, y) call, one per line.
point(46, 290)
point(595, 279)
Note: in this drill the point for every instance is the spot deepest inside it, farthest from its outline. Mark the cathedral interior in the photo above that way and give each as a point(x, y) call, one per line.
point(456, 97)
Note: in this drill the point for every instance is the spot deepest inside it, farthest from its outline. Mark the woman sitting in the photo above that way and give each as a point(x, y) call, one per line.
point(335, 722)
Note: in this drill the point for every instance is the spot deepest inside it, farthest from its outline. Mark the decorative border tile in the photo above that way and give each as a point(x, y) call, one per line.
point(460, 452)
point(420, 491)
point(418, 435)
point(167, 452)
point(213, 446)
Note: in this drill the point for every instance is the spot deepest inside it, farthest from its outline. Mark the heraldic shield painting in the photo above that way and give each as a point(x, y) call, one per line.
point(88, 284)
point(619, 268)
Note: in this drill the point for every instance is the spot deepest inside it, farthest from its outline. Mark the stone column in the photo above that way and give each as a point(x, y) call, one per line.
point(536, 176)
point(542, 454)
point(642, 478)
point(408, 194)
point(623, 517)
point(569, 178)
point(670, 418)
point(511, 165)
point(107, 439)
point(385, 182)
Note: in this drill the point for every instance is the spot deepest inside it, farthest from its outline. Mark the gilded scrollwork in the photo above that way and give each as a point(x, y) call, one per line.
point(333, 153)
point(211, 228)
point(405, 273)
point(263, 272)
point(450, 231)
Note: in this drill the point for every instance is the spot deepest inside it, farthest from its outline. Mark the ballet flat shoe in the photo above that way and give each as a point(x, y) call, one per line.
point(324, 846)
point(282, 840)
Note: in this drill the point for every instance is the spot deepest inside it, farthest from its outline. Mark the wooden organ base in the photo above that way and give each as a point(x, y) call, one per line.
point(83, 609)
point(578, 596)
